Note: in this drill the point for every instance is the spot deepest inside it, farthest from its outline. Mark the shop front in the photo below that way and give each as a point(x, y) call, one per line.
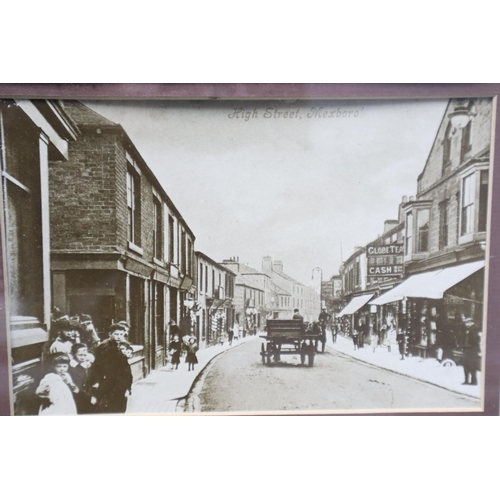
point(356, 316)
point(432, 308)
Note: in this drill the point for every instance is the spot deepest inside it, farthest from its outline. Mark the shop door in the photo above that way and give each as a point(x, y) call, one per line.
point(136, 335)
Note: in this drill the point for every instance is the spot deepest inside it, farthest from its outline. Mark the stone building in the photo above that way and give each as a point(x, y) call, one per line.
point(120, 250)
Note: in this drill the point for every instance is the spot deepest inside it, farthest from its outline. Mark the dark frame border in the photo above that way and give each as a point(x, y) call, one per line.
point(305, 91)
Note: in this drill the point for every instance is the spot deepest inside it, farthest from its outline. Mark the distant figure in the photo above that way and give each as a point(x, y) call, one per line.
point(236, 331)
point(334, 333)
point(374, 339)
point(355, 339)
point(401, 340)
point(323, 319)
point(230, 335)
point(297, 315)
point(472, 351)
point(192, 349)
point(175, 349)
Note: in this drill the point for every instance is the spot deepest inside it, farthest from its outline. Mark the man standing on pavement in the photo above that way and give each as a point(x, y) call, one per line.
point(472, 350)
point(111, 376)
point(323, 319)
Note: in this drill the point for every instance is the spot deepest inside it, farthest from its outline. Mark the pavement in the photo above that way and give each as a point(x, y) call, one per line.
point(423, 369)
point(162, 389)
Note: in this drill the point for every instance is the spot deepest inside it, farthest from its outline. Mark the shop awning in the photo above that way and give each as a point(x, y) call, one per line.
point(429, 285)
point(355, 304)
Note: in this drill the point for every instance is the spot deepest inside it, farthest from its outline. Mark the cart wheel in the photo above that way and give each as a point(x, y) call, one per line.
point(448, 363)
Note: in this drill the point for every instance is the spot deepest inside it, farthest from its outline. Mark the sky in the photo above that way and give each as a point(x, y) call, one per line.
point(305, 188)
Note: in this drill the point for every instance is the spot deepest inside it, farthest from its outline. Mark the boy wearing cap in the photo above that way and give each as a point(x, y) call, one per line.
point(111, 374)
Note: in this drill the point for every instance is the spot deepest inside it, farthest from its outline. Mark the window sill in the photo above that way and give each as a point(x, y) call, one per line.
point(28, 336)
point(158, 262)
point(135, 248)
point(466, 238)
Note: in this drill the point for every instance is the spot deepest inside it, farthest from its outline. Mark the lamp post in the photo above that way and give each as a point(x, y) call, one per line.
point(320, 285)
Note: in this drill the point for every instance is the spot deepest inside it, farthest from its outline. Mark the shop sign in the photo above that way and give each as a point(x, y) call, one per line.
point(385, 260)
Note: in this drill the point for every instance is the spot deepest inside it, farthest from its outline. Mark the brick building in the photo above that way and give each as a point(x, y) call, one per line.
point(120, 250)
point(32, 133)
point(215, 300)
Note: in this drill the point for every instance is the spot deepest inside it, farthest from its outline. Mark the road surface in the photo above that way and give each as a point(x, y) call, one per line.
point(237, 381)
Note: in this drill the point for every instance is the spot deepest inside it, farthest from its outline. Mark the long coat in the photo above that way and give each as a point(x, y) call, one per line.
point(111, 371)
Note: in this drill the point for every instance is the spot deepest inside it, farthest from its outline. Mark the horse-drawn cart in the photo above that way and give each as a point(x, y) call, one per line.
point(288, 336)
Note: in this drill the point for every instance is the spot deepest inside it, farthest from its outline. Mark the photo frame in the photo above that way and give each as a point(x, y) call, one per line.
point(301, 92)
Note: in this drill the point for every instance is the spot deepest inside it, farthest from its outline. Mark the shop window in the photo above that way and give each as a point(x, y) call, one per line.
point(443, 224)
point(423, 230)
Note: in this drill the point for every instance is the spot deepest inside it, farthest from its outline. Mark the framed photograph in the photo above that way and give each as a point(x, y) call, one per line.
point(249, 249)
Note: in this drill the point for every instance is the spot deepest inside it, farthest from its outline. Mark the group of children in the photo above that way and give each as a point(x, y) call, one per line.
point(67, 386)
point(187, 345)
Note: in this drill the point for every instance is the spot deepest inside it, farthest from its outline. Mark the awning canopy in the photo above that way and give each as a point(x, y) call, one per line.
point(355, 304)
point(429, 285)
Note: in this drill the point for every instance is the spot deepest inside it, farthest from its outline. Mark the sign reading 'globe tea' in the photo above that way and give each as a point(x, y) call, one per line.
point(385, 260)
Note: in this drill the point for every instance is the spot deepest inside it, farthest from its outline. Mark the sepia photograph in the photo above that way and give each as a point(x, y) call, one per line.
point(247, 256)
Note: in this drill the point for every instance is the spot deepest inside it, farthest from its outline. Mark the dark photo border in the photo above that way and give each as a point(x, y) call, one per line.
point(301, 91)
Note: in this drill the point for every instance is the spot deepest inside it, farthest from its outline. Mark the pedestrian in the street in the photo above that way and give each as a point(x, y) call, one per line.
point(374, 339)
point(230, 336)
point(334, 332)
point(175, 349)
point(66, 338)
point(127, 350)
point(88, 333)
point(355, 339)
point(472, 350)
point(236, 331)
point(79, 371)
point(401, 340)
point(56, 389)
point(323, 319)
point(191, 358)
point(111, 374)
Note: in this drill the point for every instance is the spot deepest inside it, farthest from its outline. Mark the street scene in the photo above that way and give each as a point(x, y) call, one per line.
point(168, 257)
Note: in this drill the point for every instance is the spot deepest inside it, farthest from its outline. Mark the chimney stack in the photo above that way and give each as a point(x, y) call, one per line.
point(278, 266)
